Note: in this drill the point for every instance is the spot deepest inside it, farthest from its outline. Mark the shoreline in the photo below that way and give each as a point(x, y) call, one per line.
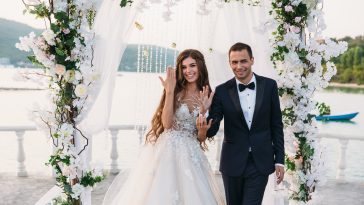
point(345, 85)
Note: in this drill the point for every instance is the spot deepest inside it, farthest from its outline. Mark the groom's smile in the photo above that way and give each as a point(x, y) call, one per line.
point(241, 63)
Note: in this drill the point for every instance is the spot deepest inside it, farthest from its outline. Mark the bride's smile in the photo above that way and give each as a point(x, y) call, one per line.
point(190, 70)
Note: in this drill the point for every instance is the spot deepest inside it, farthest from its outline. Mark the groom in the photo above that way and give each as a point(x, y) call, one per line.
point(253, 145)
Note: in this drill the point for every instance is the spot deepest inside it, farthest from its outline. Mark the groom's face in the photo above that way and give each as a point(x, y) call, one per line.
point(241, 64)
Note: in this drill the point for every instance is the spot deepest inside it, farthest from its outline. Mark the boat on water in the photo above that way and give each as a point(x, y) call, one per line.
point(348, 116)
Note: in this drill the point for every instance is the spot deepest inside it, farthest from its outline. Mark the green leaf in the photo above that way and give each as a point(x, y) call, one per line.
point(35, 61)
point(68, 188)
point(289, 164)
point(55, 28)
point(61, 16)
point(69, 42)
point(59, 52)
point(124, 3)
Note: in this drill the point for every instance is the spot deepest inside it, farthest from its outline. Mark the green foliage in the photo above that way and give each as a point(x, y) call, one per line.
point(289, 116)
point(124, 3)
point(323, 109)
point(89, 180)
point(59, 201)
point(290, 165)
point(350, 65)
point(40, 11)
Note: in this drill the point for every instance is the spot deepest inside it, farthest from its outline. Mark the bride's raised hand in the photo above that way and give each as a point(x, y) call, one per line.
point(205, 100)
point(170, 82)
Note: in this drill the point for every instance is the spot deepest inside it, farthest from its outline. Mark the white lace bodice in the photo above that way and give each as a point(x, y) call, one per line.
point(185, 120)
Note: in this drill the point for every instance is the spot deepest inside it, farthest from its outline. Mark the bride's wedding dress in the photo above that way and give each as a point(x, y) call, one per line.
point(173, 171)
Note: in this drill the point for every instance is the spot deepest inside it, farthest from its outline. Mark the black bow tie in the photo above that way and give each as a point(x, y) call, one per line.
point(242, 87)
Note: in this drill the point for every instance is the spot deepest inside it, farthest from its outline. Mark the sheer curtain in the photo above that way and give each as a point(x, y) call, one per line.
point(112, 30)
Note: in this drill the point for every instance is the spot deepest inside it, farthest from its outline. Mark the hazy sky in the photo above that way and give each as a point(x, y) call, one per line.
point(342, 17)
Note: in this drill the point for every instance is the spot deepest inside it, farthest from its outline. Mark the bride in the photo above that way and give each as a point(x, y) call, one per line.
point(172, 168)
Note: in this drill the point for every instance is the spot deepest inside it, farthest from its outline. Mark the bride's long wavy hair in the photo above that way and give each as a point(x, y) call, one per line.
point(181, 83)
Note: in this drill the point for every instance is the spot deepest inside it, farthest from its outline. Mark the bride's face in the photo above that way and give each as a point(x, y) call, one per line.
point(190, 70)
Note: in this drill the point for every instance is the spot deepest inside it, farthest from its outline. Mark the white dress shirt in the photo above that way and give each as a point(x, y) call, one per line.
point(247, 100)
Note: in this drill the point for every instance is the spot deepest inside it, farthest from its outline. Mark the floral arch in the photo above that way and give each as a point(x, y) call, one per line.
point(72, 51)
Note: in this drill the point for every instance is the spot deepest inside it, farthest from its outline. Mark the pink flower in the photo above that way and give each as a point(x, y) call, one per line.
point(286, 26)
point(295, 29)
point(295, 144)
point(298, 19)
point(60, 69)
point(288, 8)
point(66, 31)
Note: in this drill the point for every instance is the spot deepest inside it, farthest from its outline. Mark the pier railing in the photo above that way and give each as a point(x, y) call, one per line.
point(114, 152)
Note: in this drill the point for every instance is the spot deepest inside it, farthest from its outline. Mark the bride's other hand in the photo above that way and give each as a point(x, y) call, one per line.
point(205, 100)
point(170, 82)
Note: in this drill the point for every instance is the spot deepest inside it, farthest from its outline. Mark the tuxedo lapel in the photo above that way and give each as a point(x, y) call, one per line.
point(259, 97)
point(233, 93)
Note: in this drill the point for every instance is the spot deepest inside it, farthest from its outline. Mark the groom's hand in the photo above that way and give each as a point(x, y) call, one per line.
point(279, 173)
point(202, 127)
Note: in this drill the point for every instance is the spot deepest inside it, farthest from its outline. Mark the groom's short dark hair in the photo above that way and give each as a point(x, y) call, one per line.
point(241, 46)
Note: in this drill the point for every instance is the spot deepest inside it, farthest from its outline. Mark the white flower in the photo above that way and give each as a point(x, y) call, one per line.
point(78, 103)
point(26, 42)
point(292, 40)
point(81, 90)
point(77, 190)
point(49, 36)
point(293, 63)
point(60, 69)
point(281, 43)
point(314, 58)
point(69, 76)
point(70, 171)
point(66, 130)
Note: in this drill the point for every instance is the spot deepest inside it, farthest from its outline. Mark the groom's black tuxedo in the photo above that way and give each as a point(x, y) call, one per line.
point(265, 137)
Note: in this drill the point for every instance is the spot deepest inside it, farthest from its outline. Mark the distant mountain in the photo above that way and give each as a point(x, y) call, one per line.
point(11, 31)
point(9, 35)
